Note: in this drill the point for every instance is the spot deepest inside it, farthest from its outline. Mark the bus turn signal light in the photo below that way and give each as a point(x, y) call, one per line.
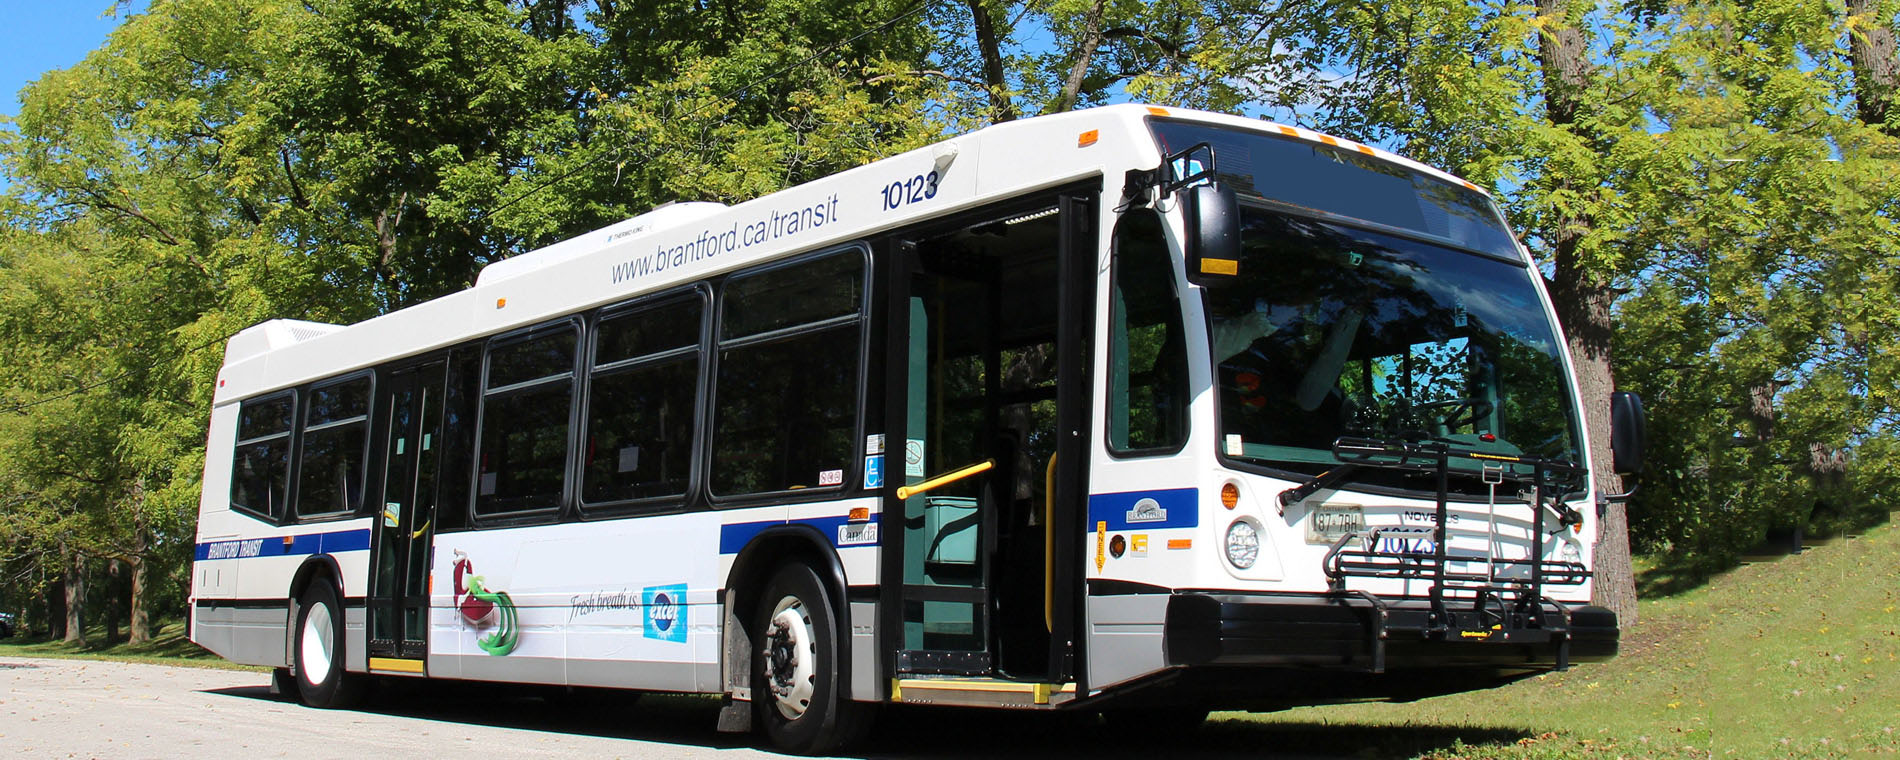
point(1229, 495)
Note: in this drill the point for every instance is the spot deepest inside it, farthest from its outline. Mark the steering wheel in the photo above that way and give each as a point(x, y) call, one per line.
point(1458, 412)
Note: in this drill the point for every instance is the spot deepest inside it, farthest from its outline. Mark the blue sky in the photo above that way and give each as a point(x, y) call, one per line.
point(42, 35)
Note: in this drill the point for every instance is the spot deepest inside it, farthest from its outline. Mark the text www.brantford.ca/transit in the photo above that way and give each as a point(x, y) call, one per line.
point(712, 242)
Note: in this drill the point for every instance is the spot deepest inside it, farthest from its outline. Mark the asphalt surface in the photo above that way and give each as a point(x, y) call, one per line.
point(87, 709)
point(95, 709)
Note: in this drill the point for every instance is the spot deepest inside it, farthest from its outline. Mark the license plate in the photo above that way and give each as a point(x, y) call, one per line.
point(1327, 524)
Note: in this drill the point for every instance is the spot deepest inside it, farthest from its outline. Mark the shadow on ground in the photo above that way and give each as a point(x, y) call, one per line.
point(911, 732)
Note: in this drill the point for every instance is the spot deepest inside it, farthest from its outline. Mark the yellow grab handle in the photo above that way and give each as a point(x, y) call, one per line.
point(905, 492)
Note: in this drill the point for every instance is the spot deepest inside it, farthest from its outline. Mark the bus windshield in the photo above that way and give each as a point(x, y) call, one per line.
point(1340, 184)
point(1332, 330)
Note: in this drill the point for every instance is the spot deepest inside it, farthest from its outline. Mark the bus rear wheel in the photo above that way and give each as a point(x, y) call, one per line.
point(322, 680)
point(797, 694)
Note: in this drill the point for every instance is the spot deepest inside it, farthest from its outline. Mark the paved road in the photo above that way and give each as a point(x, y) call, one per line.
point(89, 709)
point(85, 709)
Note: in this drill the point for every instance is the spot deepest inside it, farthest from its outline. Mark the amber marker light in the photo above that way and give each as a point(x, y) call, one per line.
point(1088, 138)
point(501, 303)
point(1157, 111)
point(859, 514)
point(1229, 495)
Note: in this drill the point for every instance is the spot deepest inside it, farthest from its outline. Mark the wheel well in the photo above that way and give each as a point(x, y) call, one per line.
point(321, 568)
point(760, 557)
point(775, 547)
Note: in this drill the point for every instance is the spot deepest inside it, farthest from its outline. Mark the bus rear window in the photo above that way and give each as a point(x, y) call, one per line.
point(260, 470)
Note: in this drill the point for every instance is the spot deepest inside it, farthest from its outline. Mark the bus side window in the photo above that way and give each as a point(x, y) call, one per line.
point(260, 468)
point(335, 444)
point(525, 410)
point(643, 389)
point(786, 403)
point(1147, 375)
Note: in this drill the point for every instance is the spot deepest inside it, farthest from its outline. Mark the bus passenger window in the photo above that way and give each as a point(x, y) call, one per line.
point(1147, 393)
point(786, 404)
point(335, 442)
point(523, 455)
point(260, 471)
point(640, 406)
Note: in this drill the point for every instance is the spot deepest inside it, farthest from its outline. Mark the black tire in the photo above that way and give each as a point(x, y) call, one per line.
point(320, 654)
point(797, 693)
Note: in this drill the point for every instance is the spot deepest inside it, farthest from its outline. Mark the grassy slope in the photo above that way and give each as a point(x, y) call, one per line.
point(1797, 658)
point(167, 647)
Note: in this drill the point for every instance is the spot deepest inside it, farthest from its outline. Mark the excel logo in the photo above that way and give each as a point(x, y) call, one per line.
point(664, 612)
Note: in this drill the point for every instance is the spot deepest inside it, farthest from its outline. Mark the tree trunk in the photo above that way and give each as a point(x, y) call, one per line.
point(56, 608)
point(141, 623)
point(75, 585)
point(1085, 53)
point(1583, 296)
point(1871, 47)
point(993, 76)
point(112, 611)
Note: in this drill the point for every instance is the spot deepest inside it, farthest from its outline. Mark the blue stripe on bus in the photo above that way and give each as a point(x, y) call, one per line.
point(1172, 508)
point(735, 536)
point(281, 546)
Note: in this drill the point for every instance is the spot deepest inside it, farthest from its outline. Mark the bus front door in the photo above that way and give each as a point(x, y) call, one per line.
point(399, 593)
point(992, 367)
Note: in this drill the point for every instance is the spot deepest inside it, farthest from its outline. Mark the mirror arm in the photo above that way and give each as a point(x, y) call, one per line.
point(1604, 500)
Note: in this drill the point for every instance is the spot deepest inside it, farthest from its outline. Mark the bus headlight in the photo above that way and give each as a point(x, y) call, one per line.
point(1243, 544)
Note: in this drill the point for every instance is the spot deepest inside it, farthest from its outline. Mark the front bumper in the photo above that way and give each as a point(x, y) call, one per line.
point(1361, 632)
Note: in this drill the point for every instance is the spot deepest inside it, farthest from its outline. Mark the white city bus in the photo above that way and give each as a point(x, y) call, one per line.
point(1125, 408)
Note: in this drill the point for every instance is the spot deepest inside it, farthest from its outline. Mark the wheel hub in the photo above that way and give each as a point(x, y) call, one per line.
point(317, 645)
point(790, 658)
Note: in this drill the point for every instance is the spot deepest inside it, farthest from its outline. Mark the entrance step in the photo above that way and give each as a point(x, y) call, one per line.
point(396, 666)
point(980, 692)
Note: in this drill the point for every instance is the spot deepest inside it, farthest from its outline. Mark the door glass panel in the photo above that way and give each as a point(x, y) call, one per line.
point(398, 484)
point(420, 520)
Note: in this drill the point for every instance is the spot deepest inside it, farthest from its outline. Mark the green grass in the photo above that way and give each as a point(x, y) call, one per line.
point(168, 646)
point(1795, 658)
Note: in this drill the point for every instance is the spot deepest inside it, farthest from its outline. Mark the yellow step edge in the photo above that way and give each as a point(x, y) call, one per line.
point(393, 665)
point(1041, 691)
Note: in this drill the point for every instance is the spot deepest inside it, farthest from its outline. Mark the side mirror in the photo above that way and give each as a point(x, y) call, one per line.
point(1213, 233)
point(1626, 432)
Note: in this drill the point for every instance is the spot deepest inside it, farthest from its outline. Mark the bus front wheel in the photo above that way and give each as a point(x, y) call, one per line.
point(321, 679)
point(796, 690)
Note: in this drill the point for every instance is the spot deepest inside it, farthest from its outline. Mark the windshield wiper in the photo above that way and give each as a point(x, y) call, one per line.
point(1357, 454)
point(1327, 479)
